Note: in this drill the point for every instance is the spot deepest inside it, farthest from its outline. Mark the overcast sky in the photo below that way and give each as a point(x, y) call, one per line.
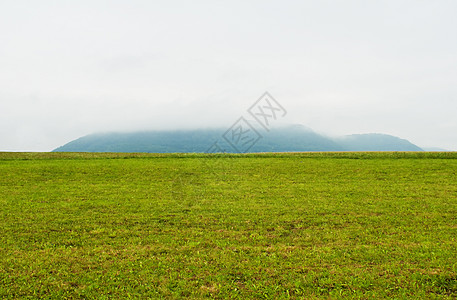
point(71, 68)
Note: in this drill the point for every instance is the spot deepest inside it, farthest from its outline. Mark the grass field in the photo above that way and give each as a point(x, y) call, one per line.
point(309, 225)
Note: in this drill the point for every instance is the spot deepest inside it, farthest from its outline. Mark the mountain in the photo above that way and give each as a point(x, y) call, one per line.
point(295, 138)
point(435, 149)
point(375, 142)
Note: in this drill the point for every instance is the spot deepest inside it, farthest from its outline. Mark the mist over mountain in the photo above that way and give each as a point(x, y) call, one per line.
point(291, 138)
point(375, 142)
point(435, 149)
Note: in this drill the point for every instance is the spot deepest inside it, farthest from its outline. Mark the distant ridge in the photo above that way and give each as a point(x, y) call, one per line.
point(435, 149)
point(375, 142)
point(292, 138)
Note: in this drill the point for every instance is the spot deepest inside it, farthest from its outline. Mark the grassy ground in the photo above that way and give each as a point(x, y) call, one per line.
point(313, 225)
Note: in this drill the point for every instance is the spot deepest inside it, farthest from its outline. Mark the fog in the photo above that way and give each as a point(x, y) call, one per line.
point(68, 69)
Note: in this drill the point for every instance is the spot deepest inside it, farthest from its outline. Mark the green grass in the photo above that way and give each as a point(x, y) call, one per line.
point(310, 225)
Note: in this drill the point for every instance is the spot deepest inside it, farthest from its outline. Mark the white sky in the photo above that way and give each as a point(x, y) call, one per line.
point(71, 68)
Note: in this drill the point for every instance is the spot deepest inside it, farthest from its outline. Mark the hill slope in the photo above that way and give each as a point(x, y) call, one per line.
point(294, 138)
point(375, 142)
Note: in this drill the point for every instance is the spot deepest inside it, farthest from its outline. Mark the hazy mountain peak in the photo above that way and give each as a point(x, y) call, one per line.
point(285, 138)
